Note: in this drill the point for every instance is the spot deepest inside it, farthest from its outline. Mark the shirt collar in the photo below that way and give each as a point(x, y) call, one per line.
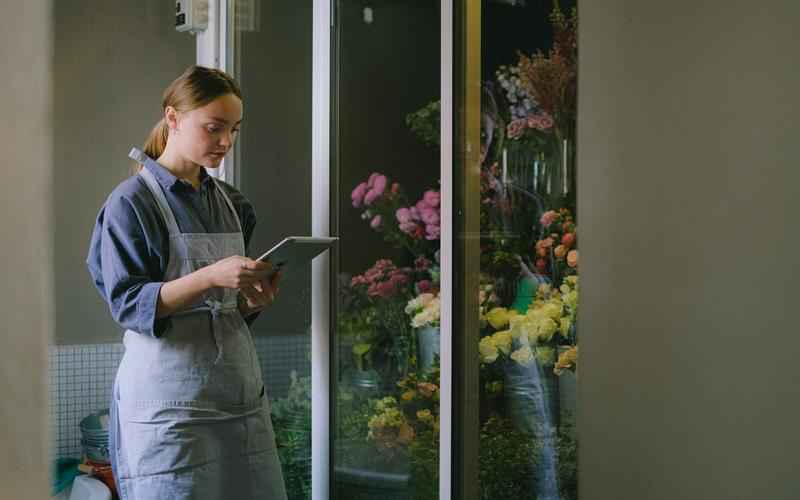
point(169, 181)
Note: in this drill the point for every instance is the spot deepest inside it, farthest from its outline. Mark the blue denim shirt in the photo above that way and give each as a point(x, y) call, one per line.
point(129, 248)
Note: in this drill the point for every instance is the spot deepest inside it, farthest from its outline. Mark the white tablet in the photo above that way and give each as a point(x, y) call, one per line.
point(296, 250)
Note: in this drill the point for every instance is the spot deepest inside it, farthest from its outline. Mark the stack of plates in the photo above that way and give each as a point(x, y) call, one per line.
point(94, 436)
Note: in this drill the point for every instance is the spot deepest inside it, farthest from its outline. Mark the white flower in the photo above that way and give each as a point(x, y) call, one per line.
point(523, 355)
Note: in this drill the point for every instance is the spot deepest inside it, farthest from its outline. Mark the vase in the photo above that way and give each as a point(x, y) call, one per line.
point(531, 393)
point(428, 346)
point(555, 173)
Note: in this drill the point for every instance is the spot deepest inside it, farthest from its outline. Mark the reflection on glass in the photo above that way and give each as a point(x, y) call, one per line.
point(386, 392)
point(529, 257)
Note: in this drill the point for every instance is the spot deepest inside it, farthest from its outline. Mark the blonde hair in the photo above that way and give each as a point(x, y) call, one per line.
point(195, 88)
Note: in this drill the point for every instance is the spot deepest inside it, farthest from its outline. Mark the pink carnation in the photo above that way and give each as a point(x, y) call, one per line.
point(424, 286)
point(358, 194)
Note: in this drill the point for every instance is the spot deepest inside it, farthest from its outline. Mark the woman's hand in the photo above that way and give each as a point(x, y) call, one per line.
point(236, 272)
point(256, 297)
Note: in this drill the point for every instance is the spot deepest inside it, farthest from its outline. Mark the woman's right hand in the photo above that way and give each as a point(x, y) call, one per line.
point(236, 271)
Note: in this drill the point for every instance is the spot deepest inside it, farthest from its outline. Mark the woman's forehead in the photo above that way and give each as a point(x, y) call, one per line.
point(226, 109)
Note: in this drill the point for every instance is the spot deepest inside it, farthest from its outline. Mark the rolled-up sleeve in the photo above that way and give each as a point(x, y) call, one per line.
point(124, 268)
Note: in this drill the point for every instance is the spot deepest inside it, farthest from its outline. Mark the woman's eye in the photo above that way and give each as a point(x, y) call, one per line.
point(235, 131)
point(213, 130)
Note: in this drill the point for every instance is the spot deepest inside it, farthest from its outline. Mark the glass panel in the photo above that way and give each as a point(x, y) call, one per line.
point(528, 250)
point(386, 387)
point(270, 52)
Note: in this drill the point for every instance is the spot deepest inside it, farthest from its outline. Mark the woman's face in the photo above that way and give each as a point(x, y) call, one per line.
point(204, 135)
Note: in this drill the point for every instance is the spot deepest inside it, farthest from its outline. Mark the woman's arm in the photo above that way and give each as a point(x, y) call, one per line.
point(232, 272)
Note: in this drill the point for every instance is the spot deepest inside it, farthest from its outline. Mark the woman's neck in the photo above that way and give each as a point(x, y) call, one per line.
point(180, 167)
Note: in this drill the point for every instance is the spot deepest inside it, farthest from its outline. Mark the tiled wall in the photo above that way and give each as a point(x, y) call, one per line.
point(81, 377)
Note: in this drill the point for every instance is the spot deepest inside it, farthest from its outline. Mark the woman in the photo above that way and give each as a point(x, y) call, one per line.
point(190, 417)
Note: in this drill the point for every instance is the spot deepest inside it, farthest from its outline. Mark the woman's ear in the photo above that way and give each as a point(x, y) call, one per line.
point(171, 118)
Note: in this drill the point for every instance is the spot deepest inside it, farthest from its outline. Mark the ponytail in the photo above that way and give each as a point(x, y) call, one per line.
point(156, 142)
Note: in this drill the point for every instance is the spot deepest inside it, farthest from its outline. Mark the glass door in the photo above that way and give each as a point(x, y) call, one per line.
point(268, 48)
point(515, 256)
point(386, 171)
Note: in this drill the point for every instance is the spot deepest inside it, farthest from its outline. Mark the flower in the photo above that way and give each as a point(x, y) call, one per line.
point(375, 223)
point(488, 349)
point(377, 185)
point(523, 355)
point(425, 309)
point(548, 218)
point(358, 194)
point(432, 198)
point(502, 341)
point(572, 258)
point(498, 317)
point(568, 360)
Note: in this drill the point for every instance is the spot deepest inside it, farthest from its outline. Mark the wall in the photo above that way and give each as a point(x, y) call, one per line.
point(688, 193)
point(111, 62)
point(26, 253)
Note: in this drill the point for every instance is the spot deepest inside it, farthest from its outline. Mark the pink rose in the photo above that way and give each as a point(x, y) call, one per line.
point(358, 194)
point(533, 122)
point(432, 198)
point(545, 121)
point(568, 240)
point(572, 258)
point(376, 222)
point(516, 128)
point(548, 218)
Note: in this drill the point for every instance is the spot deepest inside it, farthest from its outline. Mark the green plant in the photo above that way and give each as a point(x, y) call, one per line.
point(291, 421)
point(567, 459)
point(425, 123)
point(507, 458)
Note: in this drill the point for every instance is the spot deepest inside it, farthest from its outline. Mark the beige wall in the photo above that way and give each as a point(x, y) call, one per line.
point(26, 252)
point(688, 196)
point(111, 62)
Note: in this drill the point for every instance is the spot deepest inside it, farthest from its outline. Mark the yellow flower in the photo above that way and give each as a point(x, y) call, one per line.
point(425, 415)
point(552, 309)
point(408, 395)
point(488, 350)
point(571, 299)
point(547, 328)
point(498, 317)
point(502, 341)
point(406, 434)
point(568, 360)
point(566, 323)
point(523, 355)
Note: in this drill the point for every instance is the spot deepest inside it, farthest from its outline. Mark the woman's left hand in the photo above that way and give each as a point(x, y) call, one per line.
point(259, 295)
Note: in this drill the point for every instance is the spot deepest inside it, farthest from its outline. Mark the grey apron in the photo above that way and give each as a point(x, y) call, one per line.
point(190, 417)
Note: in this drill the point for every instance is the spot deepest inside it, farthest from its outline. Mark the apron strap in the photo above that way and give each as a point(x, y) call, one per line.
point(158, 194)
point(229, 202)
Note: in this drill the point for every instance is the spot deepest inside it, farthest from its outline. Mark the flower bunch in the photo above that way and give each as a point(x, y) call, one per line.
point(388, 427)
point(548, 322)
point(383, 280)
point(420, 400)
point(384, 205)
point(557, 252)
point(425, 310)
point(552, 79)
point(423, 219)
point(567, 360)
